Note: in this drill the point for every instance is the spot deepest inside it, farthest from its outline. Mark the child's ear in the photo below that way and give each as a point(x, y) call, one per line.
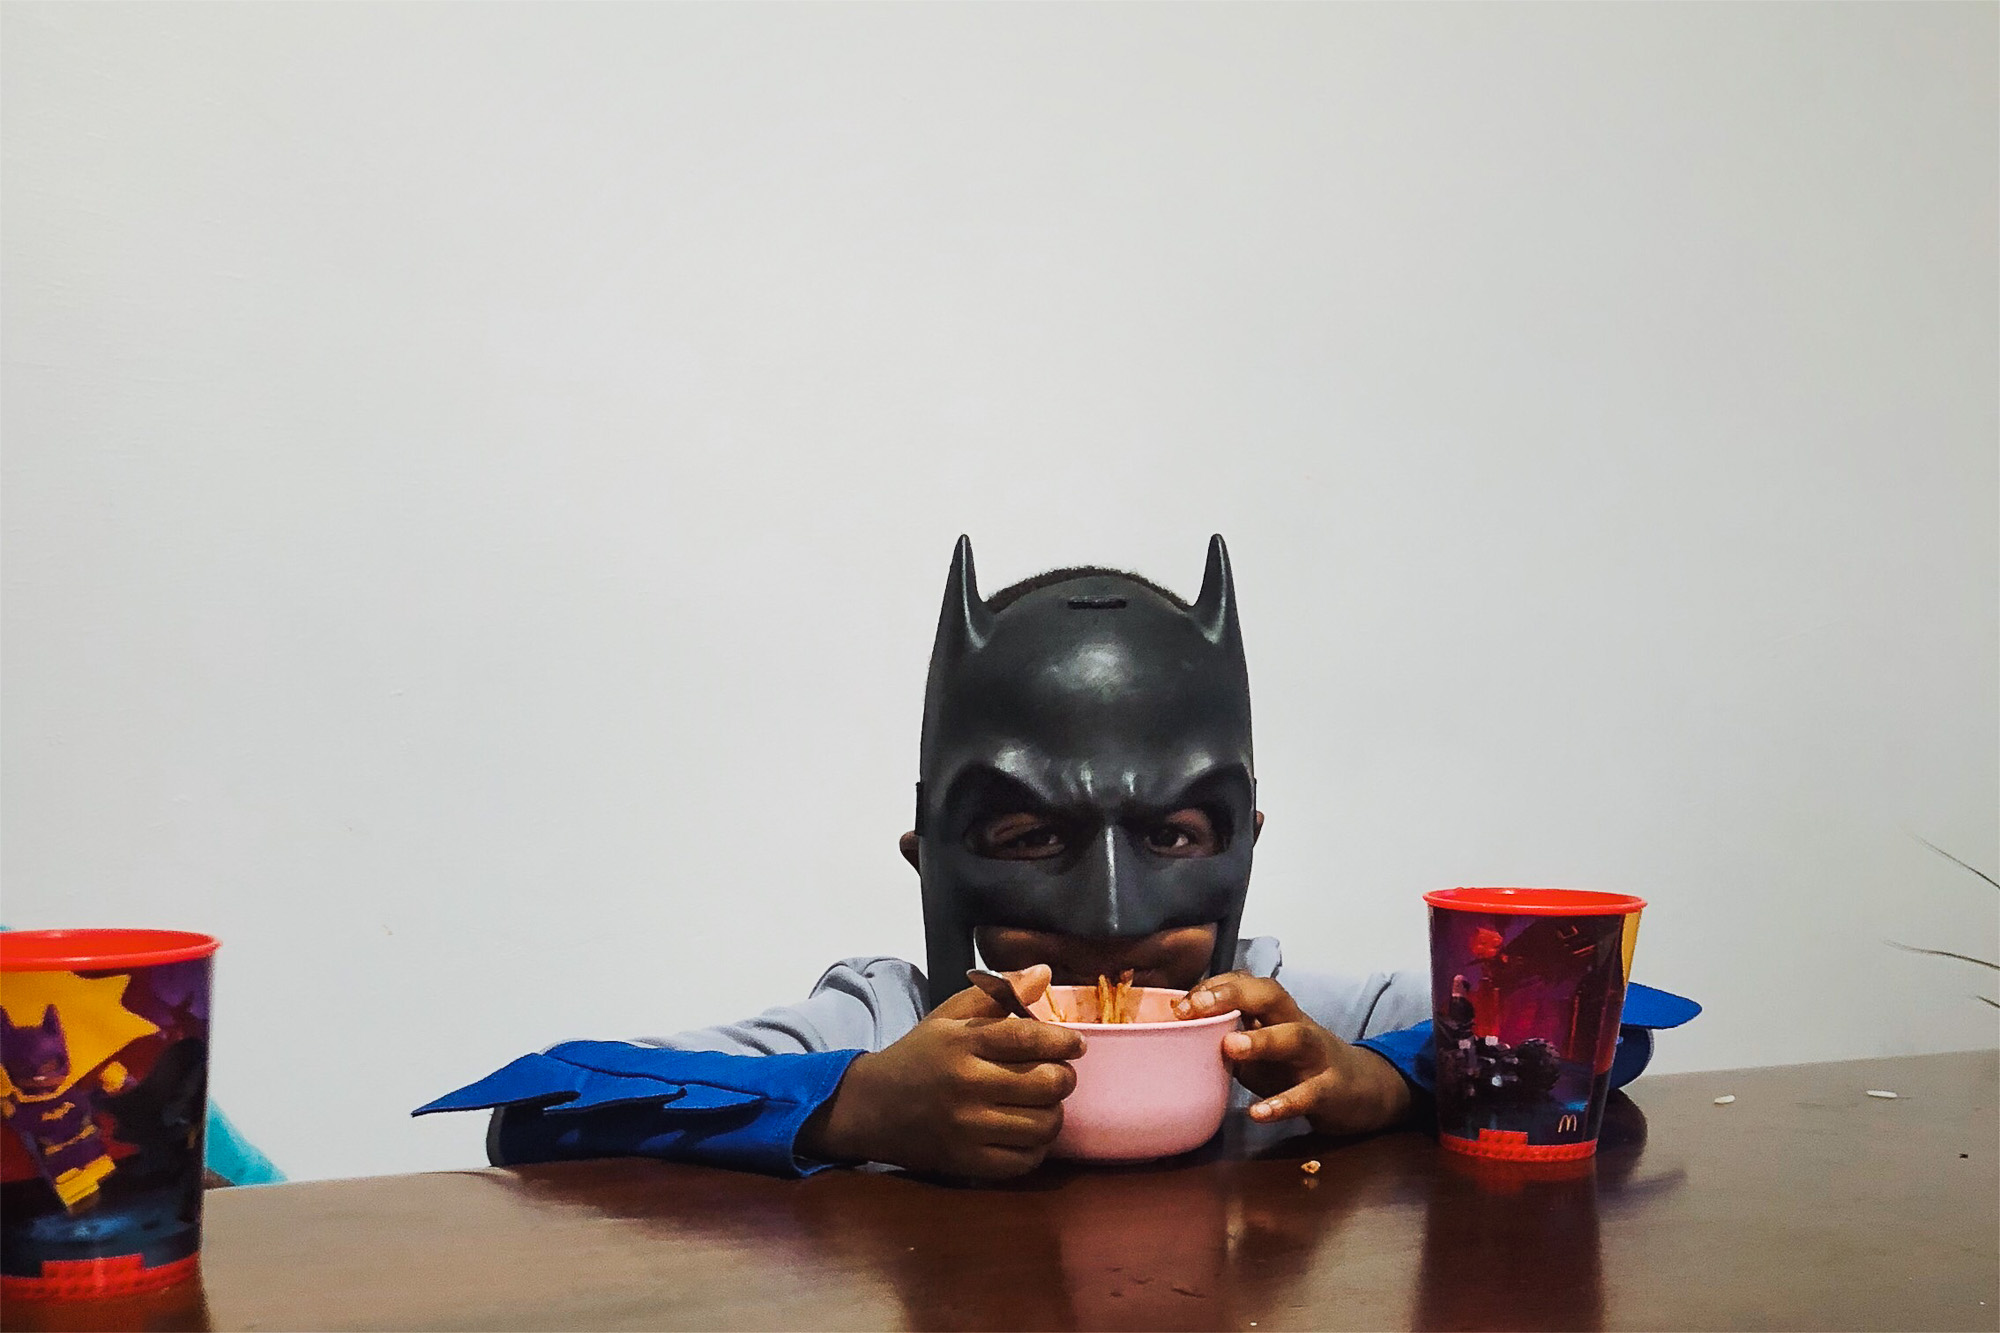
point(908, 844)
point(1256, 825)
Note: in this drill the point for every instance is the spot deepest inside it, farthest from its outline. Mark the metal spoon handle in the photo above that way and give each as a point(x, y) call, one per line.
point(1002, 991)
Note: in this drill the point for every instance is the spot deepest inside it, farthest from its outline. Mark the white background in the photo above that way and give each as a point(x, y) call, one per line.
point(479, 482)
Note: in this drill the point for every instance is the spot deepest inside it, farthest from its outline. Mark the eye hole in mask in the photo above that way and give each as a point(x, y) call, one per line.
point(1026, 835)
point(1021, 836)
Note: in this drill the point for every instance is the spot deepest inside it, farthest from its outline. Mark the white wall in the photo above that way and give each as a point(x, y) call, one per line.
point(478, 484)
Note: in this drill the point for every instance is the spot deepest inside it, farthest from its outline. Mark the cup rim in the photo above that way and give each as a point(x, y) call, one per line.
point(1179, 1024)
point(100, 949)
point(1536, 902)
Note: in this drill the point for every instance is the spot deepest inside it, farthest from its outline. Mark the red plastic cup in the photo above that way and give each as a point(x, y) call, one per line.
point(1527, 986)
point(104, 1090)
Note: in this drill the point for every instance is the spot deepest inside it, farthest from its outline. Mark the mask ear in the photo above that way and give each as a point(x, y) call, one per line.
point(964, 623)
point(1215, 610)
point(52, 1021)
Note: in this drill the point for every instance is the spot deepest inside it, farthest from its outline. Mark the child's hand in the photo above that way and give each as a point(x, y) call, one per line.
point(969, 1092)
point(1294, 1064)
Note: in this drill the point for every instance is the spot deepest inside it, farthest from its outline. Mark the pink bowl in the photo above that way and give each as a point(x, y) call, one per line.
point(1147, 1089)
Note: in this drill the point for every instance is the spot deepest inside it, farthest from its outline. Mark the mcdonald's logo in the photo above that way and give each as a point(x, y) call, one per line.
point(1567, 1125)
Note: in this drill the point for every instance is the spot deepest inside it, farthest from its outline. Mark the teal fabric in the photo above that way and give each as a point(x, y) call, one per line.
point(234, 1157)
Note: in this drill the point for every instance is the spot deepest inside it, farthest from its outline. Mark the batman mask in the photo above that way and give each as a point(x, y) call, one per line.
point(1105, 705)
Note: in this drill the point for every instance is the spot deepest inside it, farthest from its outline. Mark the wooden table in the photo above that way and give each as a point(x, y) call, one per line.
point(1804, 1204)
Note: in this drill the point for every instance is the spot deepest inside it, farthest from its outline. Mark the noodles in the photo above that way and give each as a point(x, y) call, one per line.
point(1115, 1001)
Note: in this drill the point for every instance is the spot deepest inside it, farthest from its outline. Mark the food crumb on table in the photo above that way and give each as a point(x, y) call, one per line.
point(1882, 1093)
point(1725, 1099)
point(1310, 1168)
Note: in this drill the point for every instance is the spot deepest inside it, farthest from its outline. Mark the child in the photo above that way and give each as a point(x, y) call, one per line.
point(1086, 805)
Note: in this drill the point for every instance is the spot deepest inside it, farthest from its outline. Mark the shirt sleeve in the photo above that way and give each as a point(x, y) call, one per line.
point(735, 1095)
point(857, 1004)
point(1353, 1008)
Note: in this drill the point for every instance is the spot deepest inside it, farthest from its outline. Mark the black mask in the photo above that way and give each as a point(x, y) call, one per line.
point(1105, 705)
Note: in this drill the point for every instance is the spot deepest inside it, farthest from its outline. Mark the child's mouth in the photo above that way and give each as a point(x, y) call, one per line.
point(1172, 959)
point(1085, 972)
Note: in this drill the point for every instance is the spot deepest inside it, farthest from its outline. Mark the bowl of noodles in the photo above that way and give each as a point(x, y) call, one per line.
point(1150, 1085)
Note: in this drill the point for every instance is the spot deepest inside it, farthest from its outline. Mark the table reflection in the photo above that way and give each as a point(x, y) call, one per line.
point(1516, 1244)
point(1514, 1236)
point(1213, 1239)
point(1229, 1236)
point(1144, 1247)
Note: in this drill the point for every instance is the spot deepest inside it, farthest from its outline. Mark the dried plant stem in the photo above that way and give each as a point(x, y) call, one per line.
point(1942, 953)
point(1947, 953)
point(1955, 861)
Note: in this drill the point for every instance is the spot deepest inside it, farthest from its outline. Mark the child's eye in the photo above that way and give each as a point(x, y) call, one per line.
point(1017, 837)
point(1189, 832)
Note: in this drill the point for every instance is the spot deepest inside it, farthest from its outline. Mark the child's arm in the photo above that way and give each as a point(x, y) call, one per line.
point(962, 1092)
point(1647, 1010)
point(733, 1095)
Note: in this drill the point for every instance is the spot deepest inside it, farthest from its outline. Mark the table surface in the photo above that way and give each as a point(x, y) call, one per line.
point(1803, 1204)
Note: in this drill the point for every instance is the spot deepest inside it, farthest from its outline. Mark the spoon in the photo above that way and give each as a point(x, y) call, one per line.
point(1002, 991)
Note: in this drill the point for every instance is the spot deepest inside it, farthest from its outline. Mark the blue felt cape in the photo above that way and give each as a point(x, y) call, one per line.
point(610, 1099)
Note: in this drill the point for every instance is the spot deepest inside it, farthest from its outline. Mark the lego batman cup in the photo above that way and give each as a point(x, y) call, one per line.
point(104, 1090)
point(1527, 987)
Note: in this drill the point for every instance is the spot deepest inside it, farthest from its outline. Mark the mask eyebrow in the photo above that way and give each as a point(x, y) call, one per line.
point(984, 789)
point(1215, 791)
point(1211, 784)
point(981, 789)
